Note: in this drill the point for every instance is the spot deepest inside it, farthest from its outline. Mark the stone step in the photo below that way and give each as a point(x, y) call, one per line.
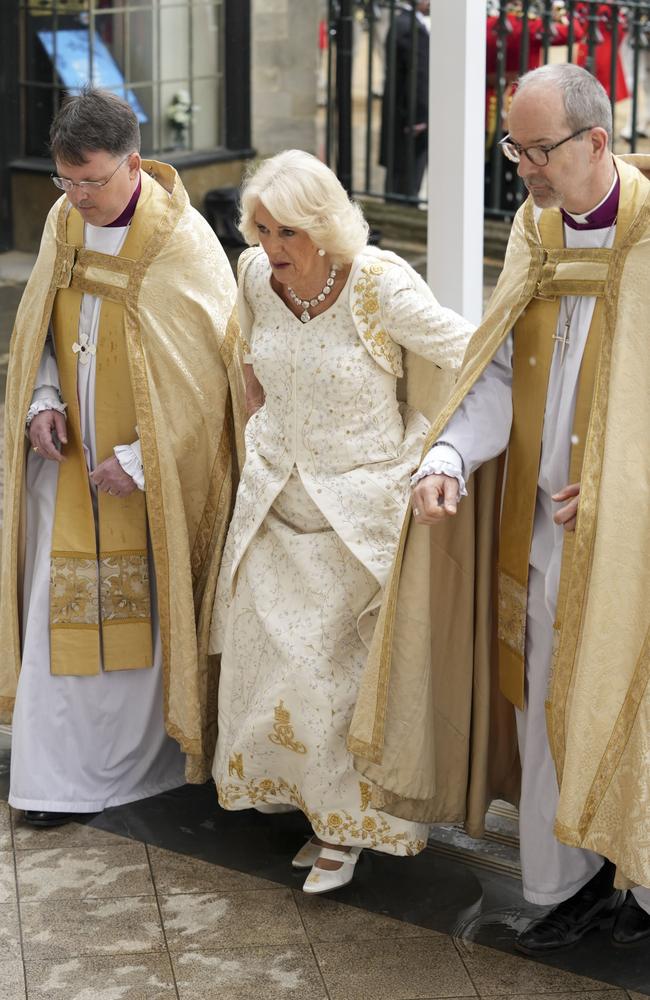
point(497, 850)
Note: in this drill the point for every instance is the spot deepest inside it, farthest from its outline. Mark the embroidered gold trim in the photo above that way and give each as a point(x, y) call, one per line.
point(74, 598)
point(513, 601)
point(367, 310)
point(124, 587)
point(366, 795)
point(341, 827)
point(283, 734)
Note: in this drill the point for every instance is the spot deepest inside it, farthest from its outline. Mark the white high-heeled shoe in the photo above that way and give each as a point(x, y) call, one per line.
point(322, 880)
point(307, 855)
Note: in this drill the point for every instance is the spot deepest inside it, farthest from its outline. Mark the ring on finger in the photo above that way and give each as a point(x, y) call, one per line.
point(35, 448)
point(416, 512)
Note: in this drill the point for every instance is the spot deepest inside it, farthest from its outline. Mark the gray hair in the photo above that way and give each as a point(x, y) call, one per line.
point(586, 103)
point(301, 192)
point(92, 121)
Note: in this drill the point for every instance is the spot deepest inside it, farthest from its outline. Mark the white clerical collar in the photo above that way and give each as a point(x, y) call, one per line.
point(582, 219)
point(422, 19)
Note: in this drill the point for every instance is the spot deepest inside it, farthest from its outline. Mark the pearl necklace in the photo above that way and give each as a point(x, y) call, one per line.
point(307, 304)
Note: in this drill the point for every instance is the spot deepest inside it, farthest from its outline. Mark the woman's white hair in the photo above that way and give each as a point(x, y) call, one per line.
point(300, 192)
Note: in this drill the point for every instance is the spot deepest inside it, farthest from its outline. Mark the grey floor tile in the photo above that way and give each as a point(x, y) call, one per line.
point(60, 929)
point(12, 980)
point(9, 931)
point(177, 873)
point(7, 877)
point(27, 837)
point(406, 969)
point(329, 920)
point(497, 974)
point(253, 974)
point(84, 873)
point(203, 922)
point(136, 977)
point(5, 827)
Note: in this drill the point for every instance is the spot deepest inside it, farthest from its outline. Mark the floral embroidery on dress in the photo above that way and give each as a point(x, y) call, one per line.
point(366, 309)
point(236, 766)
point(283, 734)
point(366, 794)
point(341, 827)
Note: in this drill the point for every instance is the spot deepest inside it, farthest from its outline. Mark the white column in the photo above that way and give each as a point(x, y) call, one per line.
point(457, 154)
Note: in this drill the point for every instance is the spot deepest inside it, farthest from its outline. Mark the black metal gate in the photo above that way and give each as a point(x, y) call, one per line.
point(377, 84)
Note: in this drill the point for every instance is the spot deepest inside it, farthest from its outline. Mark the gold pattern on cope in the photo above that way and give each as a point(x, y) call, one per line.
point(366, 794)
point(124, 587)
point(283, 734)
point(74, 598)
point(368, 314)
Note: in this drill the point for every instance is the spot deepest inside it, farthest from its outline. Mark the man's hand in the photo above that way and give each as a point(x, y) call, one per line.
point(434, 498)
point(110, 477)
point(42, 431)
point(567, 515)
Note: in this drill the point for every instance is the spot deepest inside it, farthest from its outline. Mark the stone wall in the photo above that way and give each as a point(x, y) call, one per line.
point(285, 62)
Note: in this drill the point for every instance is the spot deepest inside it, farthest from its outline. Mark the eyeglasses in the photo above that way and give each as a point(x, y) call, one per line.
point(538, 155)
point(65, 184)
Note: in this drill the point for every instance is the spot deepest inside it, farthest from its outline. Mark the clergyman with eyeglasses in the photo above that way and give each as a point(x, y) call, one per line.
point(119, 452)
point(551, 618)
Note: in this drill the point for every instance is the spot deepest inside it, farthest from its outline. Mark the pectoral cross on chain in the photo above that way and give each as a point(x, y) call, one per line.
point(563, 338)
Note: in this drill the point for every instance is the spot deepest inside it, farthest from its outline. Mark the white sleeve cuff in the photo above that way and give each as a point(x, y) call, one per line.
point(441, 460)
point(130, 458)
point(43, 399)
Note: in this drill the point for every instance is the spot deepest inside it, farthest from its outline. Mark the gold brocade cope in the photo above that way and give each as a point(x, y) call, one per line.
point(564, 272)
point(109, 590)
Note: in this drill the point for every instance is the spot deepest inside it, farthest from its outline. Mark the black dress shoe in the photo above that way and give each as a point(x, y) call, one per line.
point(632, 924)
point(591, 907)
point(37, 818)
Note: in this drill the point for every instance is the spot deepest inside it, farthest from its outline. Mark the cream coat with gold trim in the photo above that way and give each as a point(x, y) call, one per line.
point(187, 383)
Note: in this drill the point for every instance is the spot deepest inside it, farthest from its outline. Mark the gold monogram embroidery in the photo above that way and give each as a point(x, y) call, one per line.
point(236, 766)
point(366, 795)
point(374, 831)
point(283, 734)
point(124, 585)
point(367, 311)
point(73, 591)
point(513, 602)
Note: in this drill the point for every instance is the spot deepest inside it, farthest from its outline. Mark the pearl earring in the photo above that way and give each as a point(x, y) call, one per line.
point(321, 252)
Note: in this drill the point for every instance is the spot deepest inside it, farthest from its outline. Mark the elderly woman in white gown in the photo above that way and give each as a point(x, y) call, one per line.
point(323, 493)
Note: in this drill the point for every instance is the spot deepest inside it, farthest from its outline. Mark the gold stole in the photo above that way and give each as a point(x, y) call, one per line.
point(564, 272)
point(99, 573)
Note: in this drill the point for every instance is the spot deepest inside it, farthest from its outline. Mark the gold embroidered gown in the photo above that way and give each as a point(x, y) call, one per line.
point(316, 523)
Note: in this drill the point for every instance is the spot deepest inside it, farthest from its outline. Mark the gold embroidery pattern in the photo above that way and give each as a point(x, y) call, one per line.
point(73, 591)
point(367, 310)
point(283, 735)
point(341, 827)
point(366, 795)
point(236, 766)
point(513, 602)
point(124, 587)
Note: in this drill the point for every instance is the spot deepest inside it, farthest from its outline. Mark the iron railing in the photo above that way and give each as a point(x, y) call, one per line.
point(375, 77)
